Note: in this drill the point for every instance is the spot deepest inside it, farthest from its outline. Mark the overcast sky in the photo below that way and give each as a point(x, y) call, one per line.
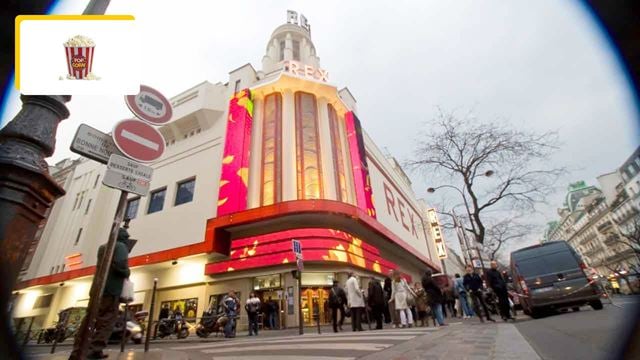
point(539, 65)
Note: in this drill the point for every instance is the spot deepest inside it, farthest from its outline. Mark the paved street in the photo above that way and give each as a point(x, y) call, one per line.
point(586, 334)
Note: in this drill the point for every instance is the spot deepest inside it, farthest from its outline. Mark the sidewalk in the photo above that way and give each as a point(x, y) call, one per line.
point(127, 355)
point(469, 340)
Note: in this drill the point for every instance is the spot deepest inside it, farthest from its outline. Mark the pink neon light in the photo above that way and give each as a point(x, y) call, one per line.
point(364, 193)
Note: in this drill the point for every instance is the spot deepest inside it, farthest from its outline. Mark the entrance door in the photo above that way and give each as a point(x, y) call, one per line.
point(314, 302)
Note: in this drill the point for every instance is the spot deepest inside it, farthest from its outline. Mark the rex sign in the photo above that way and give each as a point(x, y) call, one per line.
point(395, 211)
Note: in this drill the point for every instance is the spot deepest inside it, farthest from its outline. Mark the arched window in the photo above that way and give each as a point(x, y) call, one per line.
point(339, 161)
point(272, 150)
point(308, 167)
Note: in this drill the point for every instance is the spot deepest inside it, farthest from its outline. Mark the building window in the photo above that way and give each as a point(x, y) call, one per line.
point(78, 237)
point(156, 200)
point(75, 203)
point(86, 210)
point(339, 160)
point(282, 45)
point(272, 150)
point(43, 301)
point(95, 183)
point(308, 170)
point(296, 50)
point(132, 208)
point(184, 194)
point(237, 86)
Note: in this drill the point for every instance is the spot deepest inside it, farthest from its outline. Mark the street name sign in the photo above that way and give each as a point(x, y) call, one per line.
point(93, 144)
point(297, 248)
point(138, 140)
point(127, 175)
point(150, 105)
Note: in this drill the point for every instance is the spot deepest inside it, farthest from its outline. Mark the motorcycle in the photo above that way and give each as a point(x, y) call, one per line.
point(491, 301)
point(210, 323)
point(173, 325)
point(133, 330)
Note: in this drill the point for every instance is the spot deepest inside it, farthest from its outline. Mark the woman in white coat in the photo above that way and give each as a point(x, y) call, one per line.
point(356, 302)
point(401, 295)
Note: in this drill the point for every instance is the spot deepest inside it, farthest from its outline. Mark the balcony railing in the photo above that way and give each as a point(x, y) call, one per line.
point(604, 226)
point(611, 240)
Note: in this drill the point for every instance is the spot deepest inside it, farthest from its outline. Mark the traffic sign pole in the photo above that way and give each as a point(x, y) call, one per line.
point(100, 278)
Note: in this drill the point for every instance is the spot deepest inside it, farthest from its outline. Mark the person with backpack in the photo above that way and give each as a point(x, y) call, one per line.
point(252, 306)
point(434, 296)
point(337, 302)
point(231, 305)
point(466, 310)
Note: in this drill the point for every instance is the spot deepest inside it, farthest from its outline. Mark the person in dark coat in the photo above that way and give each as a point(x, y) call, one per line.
point(473, 283)
point(387, 296)
point(109, 300)
point(434, 296)
point(376, 301)
point(337, 302)
point(499, 286)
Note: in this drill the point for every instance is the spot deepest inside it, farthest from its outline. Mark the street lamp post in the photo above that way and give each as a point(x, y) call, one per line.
point(26, 191)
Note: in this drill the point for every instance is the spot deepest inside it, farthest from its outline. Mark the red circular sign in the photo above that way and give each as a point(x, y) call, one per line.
point(150, 105)
point(138, 140)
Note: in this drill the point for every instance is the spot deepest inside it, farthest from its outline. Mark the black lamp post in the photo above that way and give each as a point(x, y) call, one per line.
point(26, 191)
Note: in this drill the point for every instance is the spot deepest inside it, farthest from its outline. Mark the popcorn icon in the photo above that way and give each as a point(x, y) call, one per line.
point(79, 50)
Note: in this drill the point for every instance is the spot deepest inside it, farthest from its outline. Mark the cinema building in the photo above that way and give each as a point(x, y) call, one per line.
point(269, 156)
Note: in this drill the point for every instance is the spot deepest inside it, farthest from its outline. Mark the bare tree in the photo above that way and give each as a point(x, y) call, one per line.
point(465, 150)
point(630, 238)
point(503, 232)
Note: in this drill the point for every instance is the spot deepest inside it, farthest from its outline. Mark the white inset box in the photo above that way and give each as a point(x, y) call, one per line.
point(110, 65)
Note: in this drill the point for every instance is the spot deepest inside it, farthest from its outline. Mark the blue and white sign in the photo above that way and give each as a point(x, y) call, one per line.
point(297, 248)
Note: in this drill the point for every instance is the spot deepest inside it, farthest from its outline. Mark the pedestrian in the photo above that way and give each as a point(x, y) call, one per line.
point(355, 300)
point(421, 304)
point(473, 283)
point(388, 288)
point(434, 296)
point(271, 310)
point(387, 296)
point(375, 299)
point(337, 302)
point(230, 304)
point(465, 309)
point(498, 284)
point(402, 295)
point(252, 306)
point(450, 301)
point(109, 300)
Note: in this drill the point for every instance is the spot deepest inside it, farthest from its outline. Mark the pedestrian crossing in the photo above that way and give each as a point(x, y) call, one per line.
point(329, 346)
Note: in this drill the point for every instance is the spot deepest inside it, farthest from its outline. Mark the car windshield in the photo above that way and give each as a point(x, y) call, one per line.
point(548, 264)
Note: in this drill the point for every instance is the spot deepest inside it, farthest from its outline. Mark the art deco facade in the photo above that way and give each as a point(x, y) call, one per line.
point(267, 157)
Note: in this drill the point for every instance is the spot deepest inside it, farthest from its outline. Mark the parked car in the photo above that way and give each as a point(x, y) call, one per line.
point(552, 276)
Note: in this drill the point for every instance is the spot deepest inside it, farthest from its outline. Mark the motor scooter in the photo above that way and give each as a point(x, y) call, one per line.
point(211, 322)
point(173, 325)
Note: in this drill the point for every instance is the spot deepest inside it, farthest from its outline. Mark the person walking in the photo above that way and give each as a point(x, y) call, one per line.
point(337, 302)
point(387, 296)
point(252, 306)
point(375, 299)
point(473, 283)
point(421, 304)
point(402, 295)
point(391, 305)
point(434, 296)
point(499, 286)
point(109, 300)
point(465, 309)
point(230, 304)
point(355, 300)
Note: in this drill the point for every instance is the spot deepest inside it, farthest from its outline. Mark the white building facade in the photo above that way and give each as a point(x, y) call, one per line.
point(269, 156)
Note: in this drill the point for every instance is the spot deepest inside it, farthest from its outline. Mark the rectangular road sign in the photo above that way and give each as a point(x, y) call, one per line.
point(94, 144)
point(297, 248)
point(127, 175)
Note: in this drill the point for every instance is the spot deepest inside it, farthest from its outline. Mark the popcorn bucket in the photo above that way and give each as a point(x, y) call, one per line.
point(79, 60)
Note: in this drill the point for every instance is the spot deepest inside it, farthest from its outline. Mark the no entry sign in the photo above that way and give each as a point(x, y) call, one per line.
point(138, 140)
point(150, 105)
